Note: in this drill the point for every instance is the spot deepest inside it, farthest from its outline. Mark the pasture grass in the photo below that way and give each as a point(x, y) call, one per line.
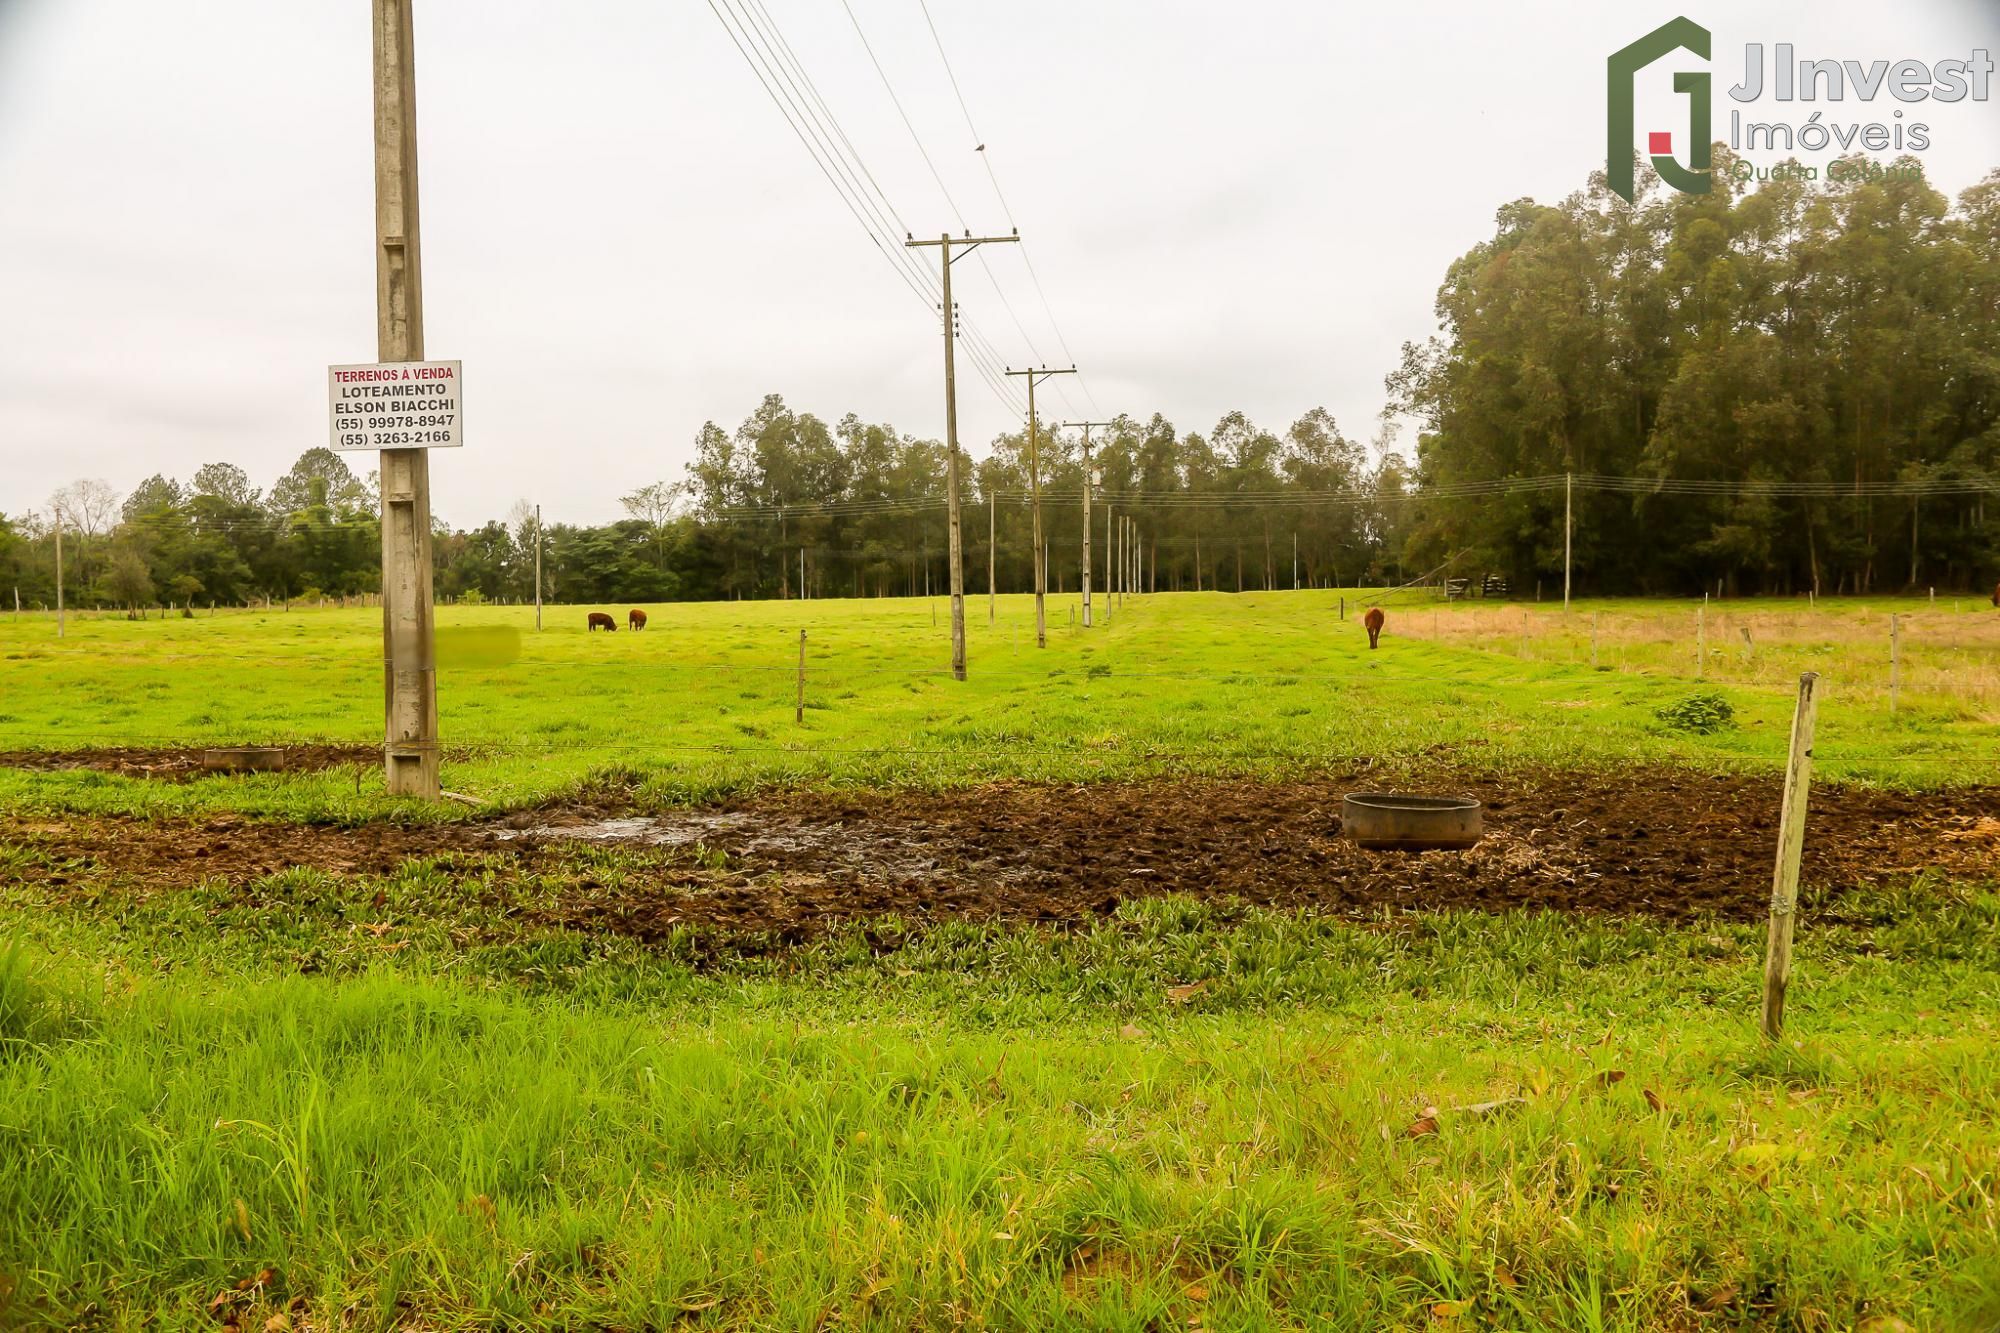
point(319, 1101)
point(701, 703)
point(385, 1103)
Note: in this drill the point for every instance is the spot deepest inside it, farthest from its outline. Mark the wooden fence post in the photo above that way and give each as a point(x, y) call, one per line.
point(799, 703)
point(1701, 639)
point(1895, 660)
point(1593, 640)
point(1791, 845)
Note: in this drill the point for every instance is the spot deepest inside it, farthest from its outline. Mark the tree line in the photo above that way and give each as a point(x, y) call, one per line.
point(784, 506)
point(1826, 354)
point(1792, 386)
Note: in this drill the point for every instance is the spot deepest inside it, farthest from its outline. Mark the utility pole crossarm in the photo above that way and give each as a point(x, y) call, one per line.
point(966, 242)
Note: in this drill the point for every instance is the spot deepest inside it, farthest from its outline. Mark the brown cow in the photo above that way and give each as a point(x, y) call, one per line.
point(600, 621)
point(1372, 622)
point(636, 618)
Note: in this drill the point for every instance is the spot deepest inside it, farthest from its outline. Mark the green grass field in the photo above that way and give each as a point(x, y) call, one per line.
point(333, 1099)
point(702, 702)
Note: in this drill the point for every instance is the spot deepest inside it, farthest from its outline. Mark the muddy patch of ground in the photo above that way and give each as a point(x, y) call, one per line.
point(180, 764)
point(789, 865)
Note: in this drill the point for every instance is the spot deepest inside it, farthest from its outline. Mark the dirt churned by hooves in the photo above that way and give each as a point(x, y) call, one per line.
point(791, 864)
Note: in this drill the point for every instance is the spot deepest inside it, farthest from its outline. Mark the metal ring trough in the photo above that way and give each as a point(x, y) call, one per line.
point(1390, 822)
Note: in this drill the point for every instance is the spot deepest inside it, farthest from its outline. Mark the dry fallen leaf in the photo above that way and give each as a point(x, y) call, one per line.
point(1131, 1032)
point(1884, 1323)
point(1653, 1099)
point(1450, 1309)
point(1718, 1299)
point(1182, 994)
point(689, 1307)
point(277, 1323)
point(1197, 1292)
point(1606, 1077)
point(1505, 1277)
point(1422, 1125)
point(222, 1298)
point(1489, 1108)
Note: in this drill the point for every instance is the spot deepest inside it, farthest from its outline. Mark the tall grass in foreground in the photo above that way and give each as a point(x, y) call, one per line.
point(1186, 1116)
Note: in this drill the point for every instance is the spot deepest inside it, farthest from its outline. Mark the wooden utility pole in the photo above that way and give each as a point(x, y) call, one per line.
point(1036, 376)
point(409, 676)
point(966, 245)
point(538, 569)
point(59, 585)
point(1089, 482)
point(1791, 845)
point(992, 585)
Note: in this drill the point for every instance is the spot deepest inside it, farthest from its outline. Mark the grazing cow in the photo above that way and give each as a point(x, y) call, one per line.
point(600, 621)
point(636, 619)
point(1372, 622)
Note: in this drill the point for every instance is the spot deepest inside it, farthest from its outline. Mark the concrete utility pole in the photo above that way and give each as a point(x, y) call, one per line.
point(1124, 565)
point(1110, 565)
point(409, 676)
point(966, 245)
point(1089, 481)
point(1035, 377)
point(538, 569)
point(1568, 481)
point(992, 586)
point(1138, 560)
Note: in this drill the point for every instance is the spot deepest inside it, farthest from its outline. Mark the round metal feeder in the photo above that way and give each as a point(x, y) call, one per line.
point(1388, 822)
point(244, 759)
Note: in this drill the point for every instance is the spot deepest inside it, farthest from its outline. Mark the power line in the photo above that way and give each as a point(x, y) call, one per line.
point(1006, 210)
point(958, 213)
point(771, 61)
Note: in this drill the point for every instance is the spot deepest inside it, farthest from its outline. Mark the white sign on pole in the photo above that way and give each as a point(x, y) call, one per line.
point(396, 405)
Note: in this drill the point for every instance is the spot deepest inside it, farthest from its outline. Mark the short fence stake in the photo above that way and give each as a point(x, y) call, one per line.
point(1749, 648)
point(1895, 660)
point(1701, 639)
point(1593, 640)
point(1791, 844)
point(799, 705)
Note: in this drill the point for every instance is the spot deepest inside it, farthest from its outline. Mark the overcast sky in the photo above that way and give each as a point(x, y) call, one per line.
point(1229, 207)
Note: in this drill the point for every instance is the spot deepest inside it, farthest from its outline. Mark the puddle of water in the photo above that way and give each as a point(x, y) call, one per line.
point(830, 848)
point(678, 831)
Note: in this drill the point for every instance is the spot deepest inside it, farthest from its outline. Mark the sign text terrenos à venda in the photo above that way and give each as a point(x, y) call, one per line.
point(396, 405)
